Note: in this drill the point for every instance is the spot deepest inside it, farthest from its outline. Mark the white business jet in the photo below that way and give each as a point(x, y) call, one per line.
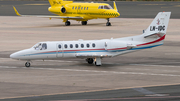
point(94, 50)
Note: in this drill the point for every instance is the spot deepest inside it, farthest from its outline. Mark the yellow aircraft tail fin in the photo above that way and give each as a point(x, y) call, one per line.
point(55, 2)
point(115, 8)
point(17, 13)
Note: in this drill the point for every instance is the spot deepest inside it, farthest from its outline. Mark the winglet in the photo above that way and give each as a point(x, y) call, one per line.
point(17, 13)
point(115, 8)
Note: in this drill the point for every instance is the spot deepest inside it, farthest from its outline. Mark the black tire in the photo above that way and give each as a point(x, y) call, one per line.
point(108, 24)
point(84, 22)
point(27, 64)
point(90, 60)
point(67, 23)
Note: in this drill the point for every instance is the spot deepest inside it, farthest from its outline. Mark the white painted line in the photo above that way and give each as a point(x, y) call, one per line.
point(154, 65)
point(95, 71)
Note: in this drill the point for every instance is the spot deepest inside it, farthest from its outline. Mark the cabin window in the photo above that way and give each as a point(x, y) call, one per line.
point(71, 46)
point(76, 45)
point(87, 8)
point(59, 46)
point(81, 8)
point(84, 8)
point(87, 45)
point(44, 46)
point(82, 45)
point(65, 46)
point(73, 7)
point(40, 46)
point(93, 45)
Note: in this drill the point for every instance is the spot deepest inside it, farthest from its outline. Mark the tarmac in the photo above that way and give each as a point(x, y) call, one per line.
point(151, 74)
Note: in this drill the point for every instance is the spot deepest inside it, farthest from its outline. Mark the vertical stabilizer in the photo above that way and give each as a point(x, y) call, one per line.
point(159, 24)
point(55, 2)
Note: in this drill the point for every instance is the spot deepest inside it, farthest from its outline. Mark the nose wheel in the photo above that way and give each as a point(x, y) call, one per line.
point(108, 23)
point(27, 64)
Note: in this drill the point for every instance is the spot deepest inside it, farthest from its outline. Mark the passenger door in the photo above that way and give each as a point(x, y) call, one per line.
point(60, 51)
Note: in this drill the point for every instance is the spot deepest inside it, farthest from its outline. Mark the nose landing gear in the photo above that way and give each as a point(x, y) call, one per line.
point(108, 23)
point(27, 64)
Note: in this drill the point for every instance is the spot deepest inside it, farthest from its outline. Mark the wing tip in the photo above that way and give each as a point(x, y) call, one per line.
point(17, 13)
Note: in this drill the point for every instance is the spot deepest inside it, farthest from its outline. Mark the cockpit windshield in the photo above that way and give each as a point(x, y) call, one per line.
point(105, 7)
point(40, 46)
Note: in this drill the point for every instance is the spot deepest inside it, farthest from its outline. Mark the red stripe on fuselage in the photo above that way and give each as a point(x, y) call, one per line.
point(160, 39)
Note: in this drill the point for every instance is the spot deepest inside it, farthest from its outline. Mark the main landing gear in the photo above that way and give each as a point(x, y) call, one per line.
point(84, 22)
point(97, 61)
point(67, 23)
point(108, 23)
point(27, 64)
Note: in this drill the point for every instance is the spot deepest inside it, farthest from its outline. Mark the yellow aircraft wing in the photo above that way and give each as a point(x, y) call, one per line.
point(48, 16)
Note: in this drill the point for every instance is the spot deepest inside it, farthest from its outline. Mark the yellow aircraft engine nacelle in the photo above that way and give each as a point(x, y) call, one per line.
point(57, 10)
point(63, 10)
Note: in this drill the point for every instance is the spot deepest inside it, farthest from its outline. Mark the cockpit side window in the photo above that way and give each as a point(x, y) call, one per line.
point(40, 46)
point(104, 7)
point(100, 7)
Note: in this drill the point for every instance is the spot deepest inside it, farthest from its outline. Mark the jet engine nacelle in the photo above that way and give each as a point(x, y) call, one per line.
point(63, 10)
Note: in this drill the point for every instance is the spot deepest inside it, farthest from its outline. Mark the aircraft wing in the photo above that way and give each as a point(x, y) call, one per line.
point(48, 16)
point(92, 55)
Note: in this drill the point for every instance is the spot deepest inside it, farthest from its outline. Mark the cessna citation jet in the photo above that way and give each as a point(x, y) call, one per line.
point(94, 50)
point(67, 10)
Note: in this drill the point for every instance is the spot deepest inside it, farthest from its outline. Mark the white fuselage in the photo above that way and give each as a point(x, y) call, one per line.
point(84, 49)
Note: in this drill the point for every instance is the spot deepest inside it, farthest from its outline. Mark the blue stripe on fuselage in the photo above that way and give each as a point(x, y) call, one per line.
point(138, 48)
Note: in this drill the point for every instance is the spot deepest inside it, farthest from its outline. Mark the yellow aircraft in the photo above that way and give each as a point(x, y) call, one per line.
point(67, 10)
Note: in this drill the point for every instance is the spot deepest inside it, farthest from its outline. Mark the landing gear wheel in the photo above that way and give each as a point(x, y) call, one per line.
point(84, 22)
point(27, 64)
point(67, 23)
point(90, 60)
point(108, 24)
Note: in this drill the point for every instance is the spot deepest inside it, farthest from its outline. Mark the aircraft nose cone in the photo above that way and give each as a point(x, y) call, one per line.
point(118, 14)
point(13, 56)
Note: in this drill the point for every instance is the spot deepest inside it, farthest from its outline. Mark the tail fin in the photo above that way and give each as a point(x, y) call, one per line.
point(158, 26)
point(55, 2)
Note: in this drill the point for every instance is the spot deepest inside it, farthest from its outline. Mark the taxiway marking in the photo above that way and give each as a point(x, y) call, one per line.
point(95, 71)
